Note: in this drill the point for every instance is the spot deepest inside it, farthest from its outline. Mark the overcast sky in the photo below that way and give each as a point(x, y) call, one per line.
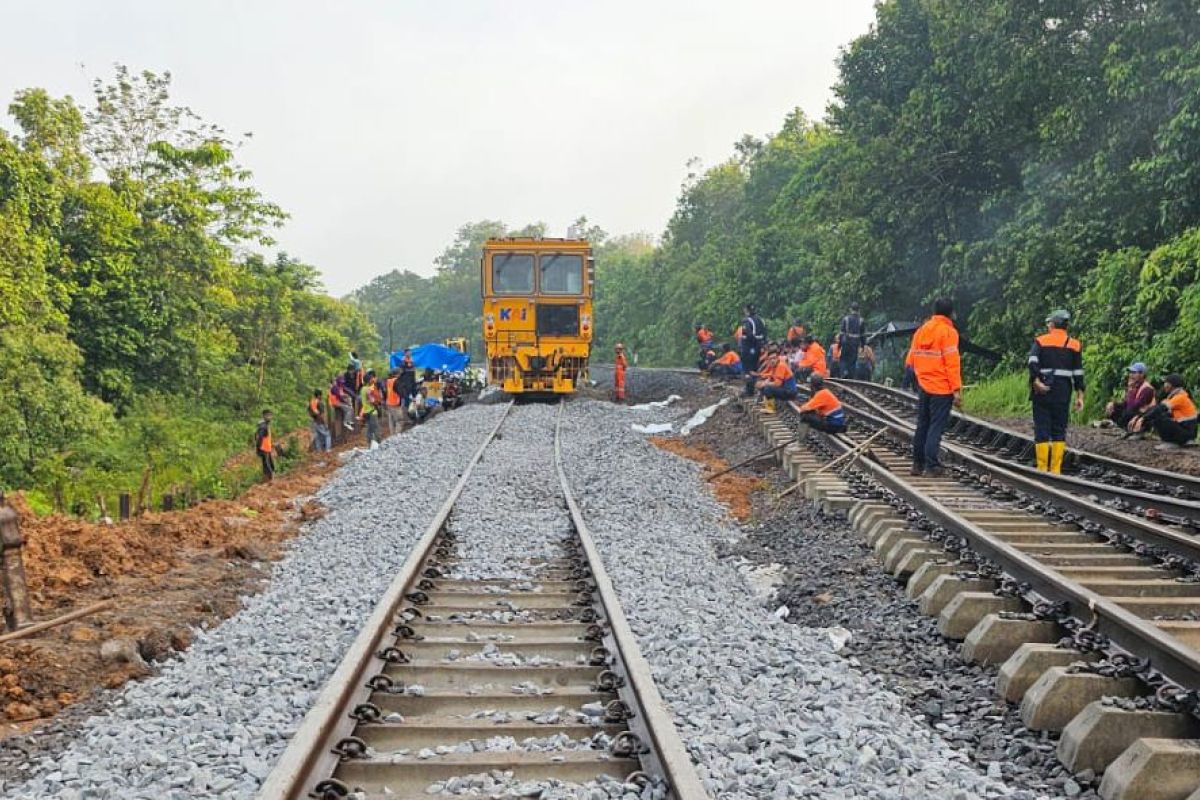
point(381, 127)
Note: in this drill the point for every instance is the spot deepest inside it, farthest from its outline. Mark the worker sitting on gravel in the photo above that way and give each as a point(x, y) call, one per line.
point(1139, 397)
point(264, 446)
point(812, 361)
point(777, 382)
point(823, 411)
point(1174, 419)
point(728, 365)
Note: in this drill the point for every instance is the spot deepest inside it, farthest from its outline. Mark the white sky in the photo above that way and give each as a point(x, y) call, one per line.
point(383, 126)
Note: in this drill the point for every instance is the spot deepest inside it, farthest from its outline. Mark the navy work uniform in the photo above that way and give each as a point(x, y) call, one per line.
point(1055, 369)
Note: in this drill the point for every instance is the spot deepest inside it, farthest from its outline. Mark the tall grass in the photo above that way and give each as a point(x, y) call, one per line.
point(1000, 396)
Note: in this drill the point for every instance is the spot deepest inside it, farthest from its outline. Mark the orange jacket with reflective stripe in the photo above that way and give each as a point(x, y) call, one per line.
point(934, 356)
point(814, 359)
point(823, 402)
point(1180, 404)
point(779, 372)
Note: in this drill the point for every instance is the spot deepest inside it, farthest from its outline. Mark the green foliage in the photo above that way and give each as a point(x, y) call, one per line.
point(1005, 395)
point(138, 342)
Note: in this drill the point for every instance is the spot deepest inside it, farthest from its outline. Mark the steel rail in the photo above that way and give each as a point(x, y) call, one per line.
point(1175, 480)
point(1174, 659)
point(1185, 512)
point(309, 756)
point(652, 721)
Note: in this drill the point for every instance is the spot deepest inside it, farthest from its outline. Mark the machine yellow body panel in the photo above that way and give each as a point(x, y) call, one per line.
point(537, 313)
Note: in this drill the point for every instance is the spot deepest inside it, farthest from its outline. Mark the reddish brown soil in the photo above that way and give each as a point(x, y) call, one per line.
point(732, 489)
point(165, 573)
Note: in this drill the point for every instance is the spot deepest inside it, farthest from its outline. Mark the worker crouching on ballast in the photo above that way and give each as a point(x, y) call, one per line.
point(728, 365)
point(1055, 368)
point(823, 411)
point(1174, 419)
point(778, 381)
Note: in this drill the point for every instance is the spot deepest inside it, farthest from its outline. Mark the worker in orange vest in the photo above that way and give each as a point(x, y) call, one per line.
point(796, 333)
point(264, 446)
point(823, 410)
point(1055, 368)
point(729, 365)
point(394, 403)
point(620, 364)
point(934, 359)
point(321, 441)
point(834, 362)
point(812, 359)
point(778, 381)
point(1174, 419)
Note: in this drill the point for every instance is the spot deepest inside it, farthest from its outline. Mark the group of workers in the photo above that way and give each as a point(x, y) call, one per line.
point(1056, 382)
point(357, 398)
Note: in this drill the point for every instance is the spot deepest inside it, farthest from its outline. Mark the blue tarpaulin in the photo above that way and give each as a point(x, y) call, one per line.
point(433, 356)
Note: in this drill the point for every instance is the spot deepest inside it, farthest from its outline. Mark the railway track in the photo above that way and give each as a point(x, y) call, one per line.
point(1137, 482)
point(477, 677)
point(1076, 600)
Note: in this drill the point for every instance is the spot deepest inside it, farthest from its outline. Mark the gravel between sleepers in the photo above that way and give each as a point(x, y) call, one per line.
point(213, 722)
point(767, 709)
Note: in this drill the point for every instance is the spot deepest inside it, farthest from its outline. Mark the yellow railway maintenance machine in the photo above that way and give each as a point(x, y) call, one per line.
point(537, 313)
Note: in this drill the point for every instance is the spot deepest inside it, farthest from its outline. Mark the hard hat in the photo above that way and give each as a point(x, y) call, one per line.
point(619, 346)
point(1137, 366)
point(1059, 316)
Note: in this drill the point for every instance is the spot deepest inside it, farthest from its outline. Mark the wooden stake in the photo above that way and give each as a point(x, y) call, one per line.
point(854, 451)
point(763, 454)
point(38, 627)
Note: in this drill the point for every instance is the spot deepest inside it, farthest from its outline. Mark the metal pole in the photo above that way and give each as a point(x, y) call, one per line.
point(391, 341)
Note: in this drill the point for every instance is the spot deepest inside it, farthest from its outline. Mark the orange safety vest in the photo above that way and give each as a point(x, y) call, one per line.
point(934, 356)
point(823, 402)
point(265, 446)
point(728, 359)
point(393, 399)
point(704, 337)
point(314, 406)
point(835, 351)
point(621, 363)
point(780, 372)
point(814, 358)
point(333, 399)
point(1181, 406)
point(795, 332)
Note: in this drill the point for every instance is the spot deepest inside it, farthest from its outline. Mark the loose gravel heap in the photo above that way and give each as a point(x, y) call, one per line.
point(767, 709)
point(214, 721)
point(648, 385)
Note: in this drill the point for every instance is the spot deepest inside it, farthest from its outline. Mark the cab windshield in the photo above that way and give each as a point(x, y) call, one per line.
point(512, 273)
point(561, 273)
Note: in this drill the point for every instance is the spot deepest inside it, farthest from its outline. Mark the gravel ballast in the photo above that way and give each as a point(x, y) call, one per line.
point(213, 722)
point(766, 708)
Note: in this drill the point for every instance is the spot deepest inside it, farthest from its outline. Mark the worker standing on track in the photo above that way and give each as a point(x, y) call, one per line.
point(778, 382)
point(754, 338)
point(936, 366)
point(264, 446)
point(321, 441)
point(620, 364)
point(1055, 367)
point(823, 410)
point(850, 336)
point(834, 361)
